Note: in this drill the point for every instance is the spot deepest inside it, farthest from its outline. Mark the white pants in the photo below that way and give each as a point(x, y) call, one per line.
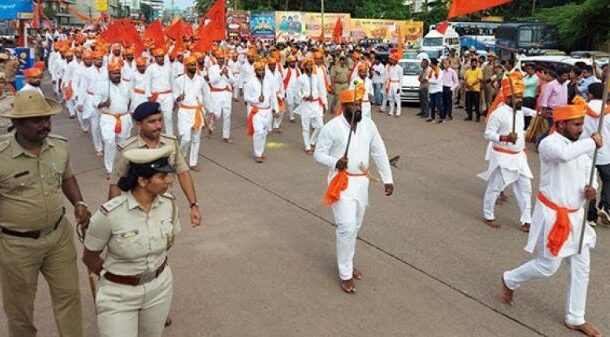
point(543, 267)
point(262, 126)
point(347, 234)
point(166, 102)
point(309, 123)
point(290, 109)
point(71, 106)
point(394, 100)
point(84, 123)
point(522, 188)
point(224, 112)
point(110, 138)
point(366, 109)
point(134, 311)
point(96, 134)
point(384, 100)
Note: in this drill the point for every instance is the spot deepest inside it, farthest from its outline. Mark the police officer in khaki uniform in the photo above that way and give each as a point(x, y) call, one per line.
point(149, 120)
point(339, 76)
point(6, 104)
point(35, 236)
point(488, 72)
point(136, 229)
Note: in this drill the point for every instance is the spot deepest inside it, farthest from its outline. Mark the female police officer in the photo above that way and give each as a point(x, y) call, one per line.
point(136, 228)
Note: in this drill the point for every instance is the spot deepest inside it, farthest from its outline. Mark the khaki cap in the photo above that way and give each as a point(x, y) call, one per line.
point(30, 103)
point(155, 159)
point(3, 56)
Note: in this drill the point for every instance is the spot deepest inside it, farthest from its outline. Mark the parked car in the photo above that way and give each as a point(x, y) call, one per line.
point(410, 80)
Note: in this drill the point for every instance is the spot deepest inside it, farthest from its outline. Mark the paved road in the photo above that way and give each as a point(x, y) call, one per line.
point(262, 264)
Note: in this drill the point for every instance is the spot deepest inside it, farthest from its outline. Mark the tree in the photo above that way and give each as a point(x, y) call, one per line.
point(387, 9)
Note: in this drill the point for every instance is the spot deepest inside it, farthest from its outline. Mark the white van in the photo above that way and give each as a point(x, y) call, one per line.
point(438, 45)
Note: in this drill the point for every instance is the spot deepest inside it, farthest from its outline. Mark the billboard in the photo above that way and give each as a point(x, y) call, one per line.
point(262, 25)
point(289, 26)
point(385, 29)
point(15, 9)
point(313, 24)
point(238, 23)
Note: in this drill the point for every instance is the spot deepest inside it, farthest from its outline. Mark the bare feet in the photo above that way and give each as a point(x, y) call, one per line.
point(277, 130)
point(493, 223)
point(309, 152)
point(506, 294)
point(259, 160)
point(228, 140)
point(99, 153)
point(195, 168)
point(586, 328)
point(357, 274)
point(348, 286)
point(525, 227)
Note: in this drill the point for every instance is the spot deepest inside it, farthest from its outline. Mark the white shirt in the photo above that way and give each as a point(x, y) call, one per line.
point(246, 72)
point(220, 82)
point(192, 89)
point(158, 78)
point(253, 89)
point(395, 74)
point(309, 85)
point(120, 96)
point(28, 86)
point(590, 127)
point(378, 73)
point(435, 82)
point(564, 172)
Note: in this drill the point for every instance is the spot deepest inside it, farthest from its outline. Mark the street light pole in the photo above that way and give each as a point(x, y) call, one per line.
point(322, 10)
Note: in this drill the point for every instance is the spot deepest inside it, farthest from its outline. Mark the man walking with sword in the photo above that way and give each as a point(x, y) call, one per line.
point(344, 145)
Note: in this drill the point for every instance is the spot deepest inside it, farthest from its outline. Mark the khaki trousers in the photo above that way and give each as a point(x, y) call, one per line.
point(21, 259)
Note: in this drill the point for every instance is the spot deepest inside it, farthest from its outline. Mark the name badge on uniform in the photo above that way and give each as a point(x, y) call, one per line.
point(129, 234)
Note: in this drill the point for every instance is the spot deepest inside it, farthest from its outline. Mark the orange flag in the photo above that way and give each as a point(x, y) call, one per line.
point(338, 31)
point(178, 48)
point(217, 27)
point(175, 31)
point(154, 32)
point(400, 44)
point(442, 27)
point(463, 7)
point(204, 44)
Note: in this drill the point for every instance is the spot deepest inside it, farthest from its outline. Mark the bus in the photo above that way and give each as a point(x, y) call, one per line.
point(525, 37)
point(476, 34)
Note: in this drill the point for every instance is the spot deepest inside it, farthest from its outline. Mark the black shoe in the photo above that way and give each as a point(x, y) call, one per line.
point(429, 120)
point(420, 114)
point(461, 106)
point(478, 119)
point(468, 118)
point(440, 121)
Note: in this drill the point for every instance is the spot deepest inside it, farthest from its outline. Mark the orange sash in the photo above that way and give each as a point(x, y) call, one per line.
point(561, 228)
point(118, 124)
point(337, 185)
point(227, 88)
point(594, 114)
point(155, 94)
point(198, 114)
point(69, 92)
point(287, 78)
point(504, 150)
point(139, 91)
point(250, 126)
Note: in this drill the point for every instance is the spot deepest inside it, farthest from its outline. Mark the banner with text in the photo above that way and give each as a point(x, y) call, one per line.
point(313, 23)
point(262, 25)
point(385, 29)
point(238, 23)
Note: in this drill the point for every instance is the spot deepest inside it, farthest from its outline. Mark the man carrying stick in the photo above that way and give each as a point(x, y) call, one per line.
point(558, 214)
point(348, 175)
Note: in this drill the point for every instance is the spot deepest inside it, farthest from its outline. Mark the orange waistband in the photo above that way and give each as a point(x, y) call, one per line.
point(363, 174)
point(139, 91)
point(115, 115)
point(503, 150)
point(394, 81)
point(548, 203)
point(193, 107)
point(212, 89)
point(162, 92)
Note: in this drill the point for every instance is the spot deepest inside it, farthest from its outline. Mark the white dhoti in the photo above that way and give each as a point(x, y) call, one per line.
point(189, 135)
point(111, 135)
point(166, 102)
point(394, 98)
point(220, 107)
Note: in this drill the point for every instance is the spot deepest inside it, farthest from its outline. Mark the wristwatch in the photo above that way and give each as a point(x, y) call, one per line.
point(194, 204)
point(81, 203)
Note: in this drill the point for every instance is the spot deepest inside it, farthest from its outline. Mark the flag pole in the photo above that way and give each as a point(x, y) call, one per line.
point(600, 126)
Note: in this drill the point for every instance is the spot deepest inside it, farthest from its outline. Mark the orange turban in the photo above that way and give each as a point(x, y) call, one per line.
point(394, 57)
point(141, 61)
point(568, 112)
point(78, 49)
point(351, 95)
point(252, 53)
point(189, 60)
point(197, 55)
point(158, 52)
point(114, 67)
point(259, 65)
point(518, 85)
point(363, 66)
point(98, 54)
point(116, 47)
point(220, 54)
point(291, 58)
point(318, 55)
point(68, 53)
point(88, 55)
point(129, 51)
point(306, 61)
point(271, 59)
point(39, 65)
point(32, 72)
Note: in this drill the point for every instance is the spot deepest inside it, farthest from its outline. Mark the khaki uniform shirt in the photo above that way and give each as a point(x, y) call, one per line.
point(121, 165)
point(340, 78)
point(454, 62)
point(10, 69)
point(488, 72)
point(6, 104)
point(137, 240)
point(31, 196)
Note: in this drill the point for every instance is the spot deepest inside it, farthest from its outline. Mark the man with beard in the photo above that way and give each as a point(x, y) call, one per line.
point(312, 107)
point(290, 81)
point(247, 71)
point(149, 121)
point(129, 66)
point(565, 165)
point(33, 78)
point(159, 84)
point(274, 75)
point(320, 71)
point(138, 82)
point(35, 175)
point(394, 86)
point(115, 56)
point(69, 82)
point(112, 102)
point(221, 94)
point(507, 158)
point(189, 88)
point(344, 146)
point(366, 83)
point(96, 78)
point(259, 93)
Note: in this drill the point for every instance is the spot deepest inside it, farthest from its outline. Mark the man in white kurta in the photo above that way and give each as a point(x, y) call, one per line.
point(557, 220)
point(312, 106)
point(97, 81)
point(394, 85)
point(350, 204)
point(364, 80)
point(189, 91)
point(275, 76)
point(507, 158)
point(137, 82)
point(112, 103)
point(260, 95)
point(69, 82)
point(235, 66)
point(80, 89)
point(321, 73)
point(221, 95)
point(159, 84)
point(290, 80)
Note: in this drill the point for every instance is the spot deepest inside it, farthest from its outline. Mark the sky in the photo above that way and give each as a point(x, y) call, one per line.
point(182, 4)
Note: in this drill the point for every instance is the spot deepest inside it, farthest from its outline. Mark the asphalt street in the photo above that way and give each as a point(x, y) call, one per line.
point(263, 261)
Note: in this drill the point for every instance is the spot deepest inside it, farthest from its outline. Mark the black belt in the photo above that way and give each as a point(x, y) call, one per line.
point(35, 234)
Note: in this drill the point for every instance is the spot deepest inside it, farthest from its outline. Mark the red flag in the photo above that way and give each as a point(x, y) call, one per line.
point(400, 44)
point(37, 9)
point(442, 27)
point(154, 32)
point(217, 27)
point(175, 31)
point(187, 28)
point(338, 31)
point(178, 48)
point(463, 7)
point(204, 44)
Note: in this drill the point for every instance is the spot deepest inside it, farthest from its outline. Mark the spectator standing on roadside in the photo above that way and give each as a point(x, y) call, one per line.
point(472, 80)
point(378, 71)
point(424, 99)
point(450, 83)
point(435, 89)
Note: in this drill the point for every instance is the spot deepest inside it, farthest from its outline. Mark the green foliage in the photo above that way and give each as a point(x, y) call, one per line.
point(49, 12)
point(387, 9)
point(437, 12)
point(580, 26)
